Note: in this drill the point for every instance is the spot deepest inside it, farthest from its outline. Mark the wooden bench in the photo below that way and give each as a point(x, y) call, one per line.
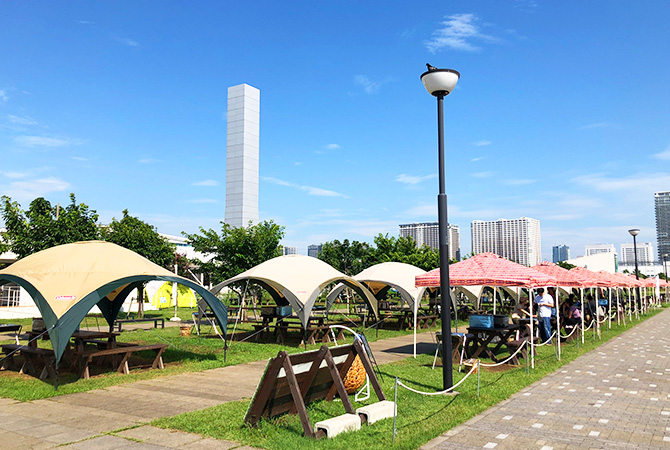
point(33, 358)
point(8, 327)
point(156, 320)
point(424, 322)
point(125, 351)
point(103, 344)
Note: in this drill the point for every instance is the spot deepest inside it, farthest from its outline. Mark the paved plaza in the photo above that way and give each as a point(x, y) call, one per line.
point(617, 396)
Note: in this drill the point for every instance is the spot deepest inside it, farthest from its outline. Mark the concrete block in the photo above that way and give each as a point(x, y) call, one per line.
point(377, 411)
point(336, 425)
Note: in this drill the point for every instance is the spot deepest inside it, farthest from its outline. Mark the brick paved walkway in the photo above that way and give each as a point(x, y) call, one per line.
point(615, 397)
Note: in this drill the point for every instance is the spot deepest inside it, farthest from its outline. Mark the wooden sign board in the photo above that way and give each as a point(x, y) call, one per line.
point(292, 381)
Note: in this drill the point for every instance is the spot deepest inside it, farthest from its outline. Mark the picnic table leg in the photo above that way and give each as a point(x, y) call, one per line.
point(158, 360)
point(123, 366)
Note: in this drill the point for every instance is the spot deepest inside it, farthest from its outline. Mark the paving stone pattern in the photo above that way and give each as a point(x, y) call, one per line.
point(615, 397)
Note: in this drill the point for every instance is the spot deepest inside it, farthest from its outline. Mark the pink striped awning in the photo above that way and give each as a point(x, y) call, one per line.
point(591, 278)
point(487, 269)
point(564, 277)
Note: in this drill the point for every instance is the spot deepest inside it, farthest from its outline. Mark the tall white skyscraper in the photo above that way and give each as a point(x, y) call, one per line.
point(427, 233)
point(244, 103)
point(645, 253)
point(594, 249)
point(517, 239)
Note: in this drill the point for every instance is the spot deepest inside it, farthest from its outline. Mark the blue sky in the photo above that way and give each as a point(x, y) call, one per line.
point(561, 113)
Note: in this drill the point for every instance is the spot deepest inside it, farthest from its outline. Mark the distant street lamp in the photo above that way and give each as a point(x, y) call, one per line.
point(439, 83)
point(634, 232)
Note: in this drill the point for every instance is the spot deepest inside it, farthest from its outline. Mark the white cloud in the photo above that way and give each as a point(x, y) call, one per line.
point(311, 190)
point(80, 158)
point(457, 33)
point(15, 174)
point(39, 141)
point(127, 41)
point(206, 183)
point(368, 85)
point(638, 184)
point(86, 22)
point(30, 189)
point(479, 158)
point(519, 182)
point(482, 143)
point(420, 211)
point(592, 126)
point(413, 179)
point(664, 155)
point(148, 161)
point(16, 120)
point(3, 96)
point(333, 146)
point(203, 200)
point(298, 163)
point(485, 174)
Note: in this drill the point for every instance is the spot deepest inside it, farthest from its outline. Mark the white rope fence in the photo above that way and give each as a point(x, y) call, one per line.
point(566, 336)
point(545, 342)
point(523, 344)
point(589, 327)
point(474, 368)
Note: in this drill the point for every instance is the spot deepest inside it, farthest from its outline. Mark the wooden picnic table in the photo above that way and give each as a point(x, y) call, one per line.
point(483, 337)
point(81, 337)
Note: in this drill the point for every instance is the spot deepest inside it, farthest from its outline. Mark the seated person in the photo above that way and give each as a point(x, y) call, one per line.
point(574, 316)
point(521, 310)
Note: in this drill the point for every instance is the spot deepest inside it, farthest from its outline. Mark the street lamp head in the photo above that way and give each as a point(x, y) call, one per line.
point(439, 82)
point(634, 232)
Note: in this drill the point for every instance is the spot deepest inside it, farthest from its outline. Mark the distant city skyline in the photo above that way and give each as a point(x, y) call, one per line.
point(518, 240)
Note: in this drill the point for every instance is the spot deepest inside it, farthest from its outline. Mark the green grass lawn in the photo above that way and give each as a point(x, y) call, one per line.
point(184, 354)
point(420, 418)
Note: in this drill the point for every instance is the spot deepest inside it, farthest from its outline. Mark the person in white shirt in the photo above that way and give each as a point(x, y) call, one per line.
point(544, 303)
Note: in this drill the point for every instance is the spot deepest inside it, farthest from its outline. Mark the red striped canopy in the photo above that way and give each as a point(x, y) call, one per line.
point(613, 279)
point(564, 277)
point(487, 269)
point(591, 278)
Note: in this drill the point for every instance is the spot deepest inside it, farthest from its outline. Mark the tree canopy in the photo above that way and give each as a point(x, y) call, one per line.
point(142, 238)
point(354, 257)
point(43, 225)
point(236, 249)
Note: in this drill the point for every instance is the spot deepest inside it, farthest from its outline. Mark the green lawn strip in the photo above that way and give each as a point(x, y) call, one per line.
point(420, 418)
point(184, 354)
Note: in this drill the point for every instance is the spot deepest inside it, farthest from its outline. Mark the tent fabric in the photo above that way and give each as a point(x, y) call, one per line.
point(380, 277)
point(299, 279)
point(564, 277)
point(163, 297)
point(488, 269)
point(66, 281)
point(591, 278)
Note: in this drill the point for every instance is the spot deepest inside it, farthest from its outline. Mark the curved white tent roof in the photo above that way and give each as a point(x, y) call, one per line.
point(299, 279)
point(377, 278)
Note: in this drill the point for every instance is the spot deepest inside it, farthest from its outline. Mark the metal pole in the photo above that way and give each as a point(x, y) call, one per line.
point(445, 309)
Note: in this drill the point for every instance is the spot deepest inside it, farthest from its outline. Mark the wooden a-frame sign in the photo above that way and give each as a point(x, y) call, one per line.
point(292, 381)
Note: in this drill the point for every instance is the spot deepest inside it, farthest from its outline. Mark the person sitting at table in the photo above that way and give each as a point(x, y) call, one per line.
point(520, 310)
point(565, 306)
point(545, 303)
point(574, 316)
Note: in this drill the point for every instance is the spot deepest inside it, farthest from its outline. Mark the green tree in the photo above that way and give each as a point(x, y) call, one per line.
point(565, 265)
point(347, 257)
point(142, 238)
point(236, 249)
point(405, 250)
point(43, 225)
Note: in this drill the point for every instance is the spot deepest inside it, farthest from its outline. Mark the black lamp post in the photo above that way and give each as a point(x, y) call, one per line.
point(440, 82)
point(634, 232)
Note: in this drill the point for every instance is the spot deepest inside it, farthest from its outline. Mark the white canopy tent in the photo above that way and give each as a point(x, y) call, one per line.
point(297, 280)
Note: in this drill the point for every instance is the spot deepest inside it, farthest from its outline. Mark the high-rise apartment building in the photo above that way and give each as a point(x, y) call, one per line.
point(428, 233)
point(516, 239)
point(560, 253)
point(242, 155)
point(662, 206)
point(594, 249)
point(314, 250)
point(645, 253)
point(289, 250)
